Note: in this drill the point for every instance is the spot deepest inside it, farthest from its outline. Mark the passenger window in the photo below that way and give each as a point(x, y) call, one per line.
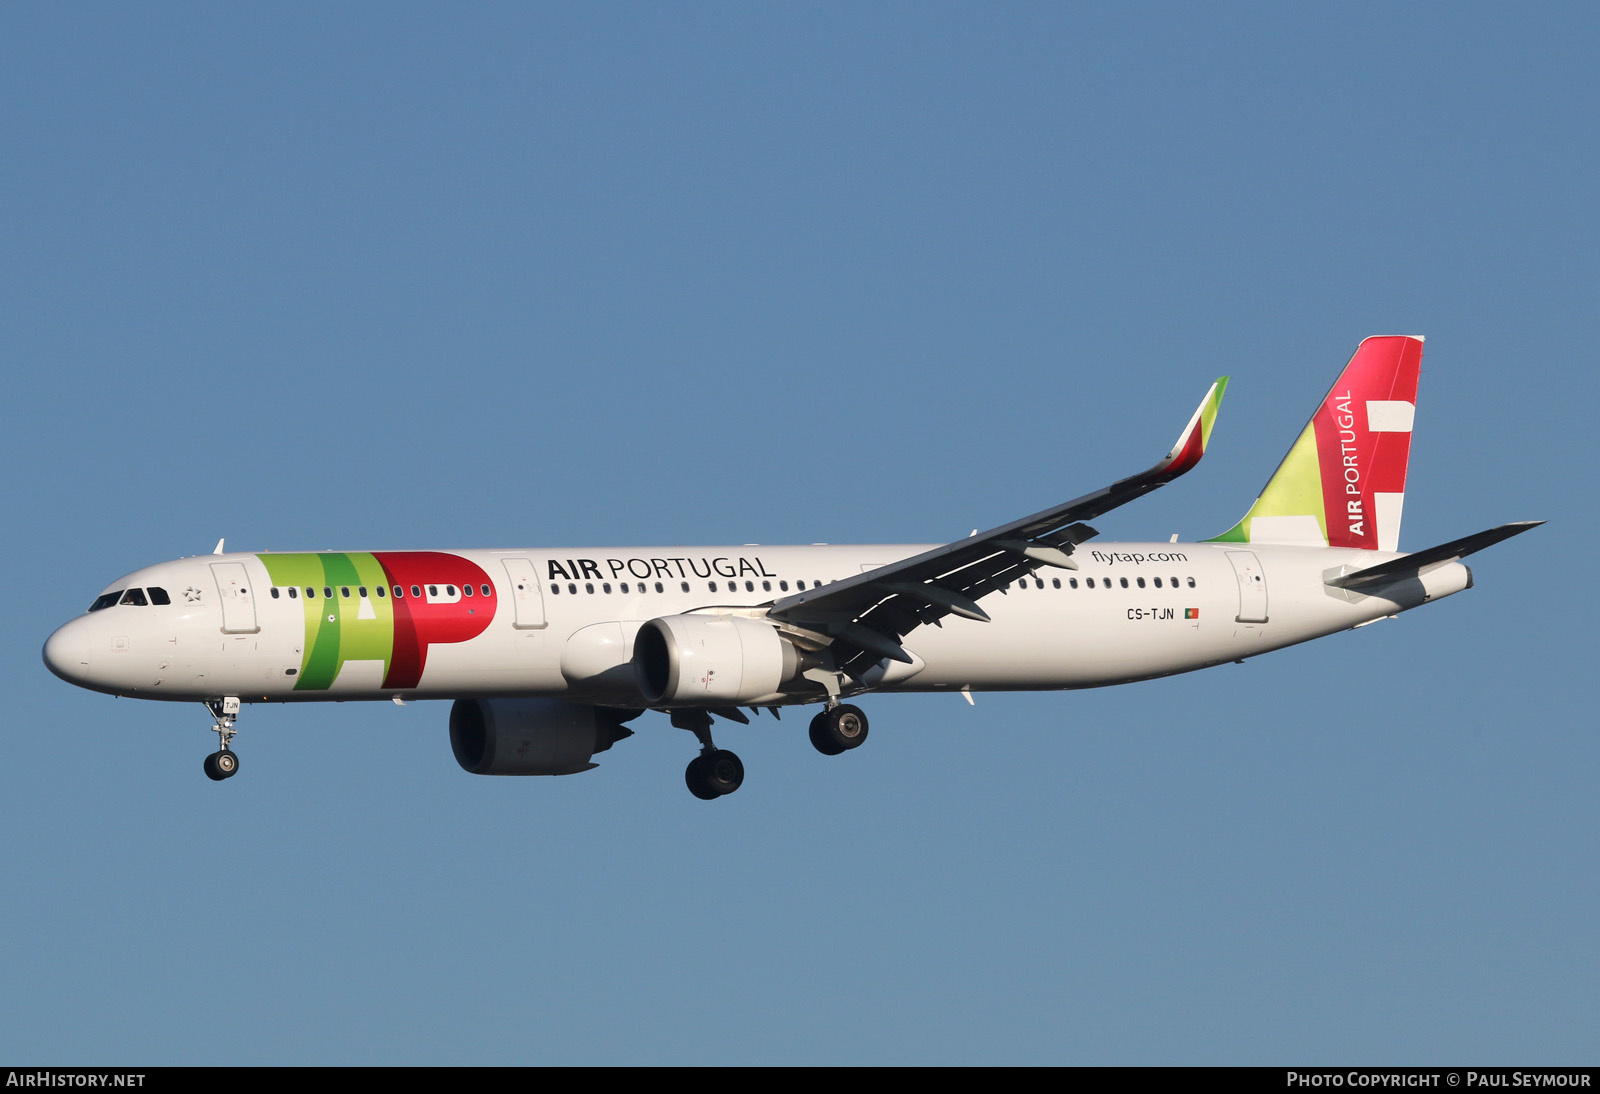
point(379, 590)
point(433, 590)
point(588, 587)
point(159, 596)
point(685, 586)
point(749, 586)
point(311, 594)
point(399, 593)
point(1191, 583)
point(783, 586)
point(105, 600)
point(467, 589)
point(1073, 582)
point(274, 592)
point(713, 586)
point(294, 592)
point(449, 590)
point(361, 590)
point(1140, 580)
point(1124, 582)
point(416, 591)
point(659, 589)
point(766, 586)
point(572, 588)
point(135, 597)
point(624, 587)
point(344, 591)
point(1158, 583)
point(555, 589)
point(1090, 580)
point(327, 592)
point(606, 588)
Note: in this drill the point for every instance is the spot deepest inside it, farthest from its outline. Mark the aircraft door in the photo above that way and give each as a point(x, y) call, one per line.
point(526, 593)
point(1252, 587)
point(238, 604)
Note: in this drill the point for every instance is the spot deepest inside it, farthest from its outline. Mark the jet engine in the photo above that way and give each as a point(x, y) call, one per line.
point(709, 660)
point(532, 736)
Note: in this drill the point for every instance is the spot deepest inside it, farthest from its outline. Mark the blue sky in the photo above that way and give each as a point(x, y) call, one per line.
point(391, 276)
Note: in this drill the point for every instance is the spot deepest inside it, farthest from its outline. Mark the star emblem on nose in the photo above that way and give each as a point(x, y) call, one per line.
point(192, 595)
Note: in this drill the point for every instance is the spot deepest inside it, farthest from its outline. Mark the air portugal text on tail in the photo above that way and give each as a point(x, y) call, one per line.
point(1343, 484)
point(548, 654)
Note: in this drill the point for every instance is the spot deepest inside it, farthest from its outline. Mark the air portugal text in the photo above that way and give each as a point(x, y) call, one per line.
point(576, 569)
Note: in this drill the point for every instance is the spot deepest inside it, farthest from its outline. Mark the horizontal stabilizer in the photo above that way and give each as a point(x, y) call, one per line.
point(1410, 565)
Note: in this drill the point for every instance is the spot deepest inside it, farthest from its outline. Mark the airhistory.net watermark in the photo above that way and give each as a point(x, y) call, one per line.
point(45, 1077)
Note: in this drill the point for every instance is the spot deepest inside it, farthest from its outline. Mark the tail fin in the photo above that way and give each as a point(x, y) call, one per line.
point(1343, 483)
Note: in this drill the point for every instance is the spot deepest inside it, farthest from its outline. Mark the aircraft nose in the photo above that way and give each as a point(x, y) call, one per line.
point(66, 652)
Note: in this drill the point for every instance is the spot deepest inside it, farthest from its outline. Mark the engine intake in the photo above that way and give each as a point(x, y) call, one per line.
point(708, 660)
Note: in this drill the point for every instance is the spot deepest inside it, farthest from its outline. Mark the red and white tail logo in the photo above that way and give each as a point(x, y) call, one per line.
point(1343, 484)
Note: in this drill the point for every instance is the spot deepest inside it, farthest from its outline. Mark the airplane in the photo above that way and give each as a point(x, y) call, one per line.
point(548, 654)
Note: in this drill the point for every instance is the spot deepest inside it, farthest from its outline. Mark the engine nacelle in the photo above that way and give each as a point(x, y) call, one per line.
point(532, 736)
point(710, 660)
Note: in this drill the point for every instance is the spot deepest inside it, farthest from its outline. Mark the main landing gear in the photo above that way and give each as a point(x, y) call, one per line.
point(838, 729)
point(714, 772)
point(223, 763)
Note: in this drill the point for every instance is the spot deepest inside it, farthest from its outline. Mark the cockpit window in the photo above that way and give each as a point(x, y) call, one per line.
point(135, 597)
point(158, 596)
point(105, 600)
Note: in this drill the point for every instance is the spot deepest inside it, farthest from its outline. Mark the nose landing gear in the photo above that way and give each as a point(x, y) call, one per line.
point(223, 763)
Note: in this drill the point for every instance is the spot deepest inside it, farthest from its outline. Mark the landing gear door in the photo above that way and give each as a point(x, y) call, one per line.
point(1252, 586)
point(526, 593)
point(238, 603)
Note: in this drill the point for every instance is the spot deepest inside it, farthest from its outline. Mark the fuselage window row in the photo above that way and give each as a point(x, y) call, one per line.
point(154, 595)
point(642, 588)
point(1105, 583)
point(345, 592)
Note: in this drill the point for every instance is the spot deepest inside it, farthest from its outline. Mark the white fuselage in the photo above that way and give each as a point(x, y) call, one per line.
point(561, 623)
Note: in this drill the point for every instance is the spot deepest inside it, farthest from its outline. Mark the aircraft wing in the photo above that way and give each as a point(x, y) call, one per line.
point(867, 615)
